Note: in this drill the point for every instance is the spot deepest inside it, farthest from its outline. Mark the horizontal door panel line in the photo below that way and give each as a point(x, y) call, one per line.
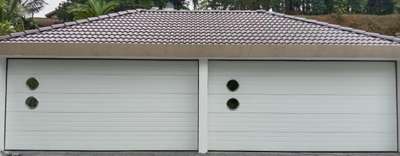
point(99, 93)
point(91, 131)
point(238, 112)
point(46, 112)
point(297, 94)
point(244, 132)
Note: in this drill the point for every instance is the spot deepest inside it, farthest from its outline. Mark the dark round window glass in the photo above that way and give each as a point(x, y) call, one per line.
point(232, 85)
point(31, 102)
point(32, 83)
point(232, 104)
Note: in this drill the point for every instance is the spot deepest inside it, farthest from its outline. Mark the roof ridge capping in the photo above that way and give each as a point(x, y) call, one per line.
point(358, 31)
point(199, 11)
point(66, 24)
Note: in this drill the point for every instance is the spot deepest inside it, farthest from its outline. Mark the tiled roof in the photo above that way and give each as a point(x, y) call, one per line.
point(200, 27)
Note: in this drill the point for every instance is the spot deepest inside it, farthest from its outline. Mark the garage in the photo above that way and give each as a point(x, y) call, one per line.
point(302, 106)
point(198, 81)
point(67, 104)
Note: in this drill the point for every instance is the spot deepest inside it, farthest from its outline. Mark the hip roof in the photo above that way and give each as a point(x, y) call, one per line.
point(200, 27)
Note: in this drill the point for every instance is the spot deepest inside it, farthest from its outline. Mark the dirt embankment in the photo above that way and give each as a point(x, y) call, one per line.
point(387, 24)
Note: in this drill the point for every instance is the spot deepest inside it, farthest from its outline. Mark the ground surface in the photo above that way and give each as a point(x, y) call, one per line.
point(193, 154)
point(387, 24)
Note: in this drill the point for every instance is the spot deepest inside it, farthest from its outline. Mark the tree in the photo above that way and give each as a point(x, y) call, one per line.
point(318, 7)
point(357, 6)
point(340, 6)
point(380, 7)
point(6, 28)
point(64, 11)
point(293, 6)
point(195, 4)
point(93, 8)
point(33, 6)
point(397, 6)
point(13, 12)
point(329, 6)
point(133, 4)
point(2, 7)
point(241, 4)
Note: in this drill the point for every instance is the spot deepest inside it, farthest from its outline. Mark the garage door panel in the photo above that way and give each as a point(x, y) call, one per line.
point(327, 123)
point(305, 103)
point(53, 102)
point(290, 68)
point(98, 84)
point(103, 105)
point(295, 85)
point(90, 140)
point(98, 67)
point(112, 122)
point(302, 141)
point(303, 106)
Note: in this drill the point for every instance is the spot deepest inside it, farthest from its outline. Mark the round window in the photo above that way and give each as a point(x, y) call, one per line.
point(31, 102)
point(32, 83)
point(233, 104)
point(232, 85)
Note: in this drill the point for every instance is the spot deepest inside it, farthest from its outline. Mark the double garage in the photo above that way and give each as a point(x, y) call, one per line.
point(280, 105)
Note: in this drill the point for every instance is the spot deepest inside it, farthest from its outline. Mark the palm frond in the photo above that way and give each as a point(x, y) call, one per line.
point(93, 8)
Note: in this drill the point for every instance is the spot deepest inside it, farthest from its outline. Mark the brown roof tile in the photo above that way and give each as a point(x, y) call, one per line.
point(200, 27)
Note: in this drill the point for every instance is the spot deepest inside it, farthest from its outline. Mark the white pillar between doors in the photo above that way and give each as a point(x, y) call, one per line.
point(3, 75)
point(203, 103)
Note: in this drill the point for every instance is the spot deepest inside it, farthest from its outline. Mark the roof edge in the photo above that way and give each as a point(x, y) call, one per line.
point(343, 28)
point(66, 24)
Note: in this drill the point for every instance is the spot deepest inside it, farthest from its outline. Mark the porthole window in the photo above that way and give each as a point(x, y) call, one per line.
point(232, 85)
point(32, 83)
point(233, 104)
point(31, 102)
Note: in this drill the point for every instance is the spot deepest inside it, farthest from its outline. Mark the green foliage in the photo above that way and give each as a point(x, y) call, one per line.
point(380, 7)
point(6, 28)
point(397, 6)
point(178, 4)
point(357, 6)
point(340, 6)
point(92, 8)
point(66, 10)
point(239, 4)
point(144, 4)
point(2, 7)
point(306, 7)
point(12, 14)
point(318, 7)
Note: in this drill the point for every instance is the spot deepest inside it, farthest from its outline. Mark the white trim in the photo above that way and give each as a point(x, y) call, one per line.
point(397, 100)
point(3, 75)
point(203, 109)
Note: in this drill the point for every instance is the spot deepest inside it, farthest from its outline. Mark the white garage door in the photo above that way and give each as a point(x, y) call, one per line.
point(303, 106)
point(102, 105)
